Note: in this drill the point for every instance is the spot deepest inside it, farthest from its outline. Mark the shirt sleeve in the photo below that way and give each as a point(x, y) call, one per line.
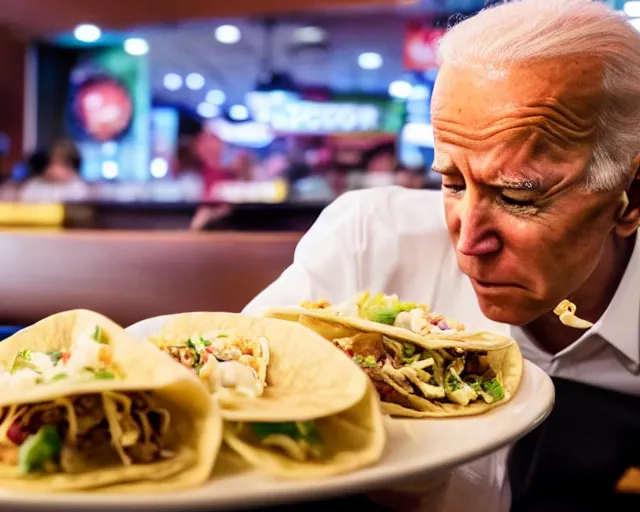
point(331, 260)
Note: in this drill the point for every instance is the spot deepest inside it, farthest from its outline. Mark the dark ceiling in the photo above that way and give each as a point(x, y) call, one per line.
point(44, 18)
point(38, 18)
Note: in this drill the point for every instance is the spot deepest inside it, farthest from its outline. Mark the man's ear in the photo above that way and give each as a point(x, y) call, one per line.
point(629, 214)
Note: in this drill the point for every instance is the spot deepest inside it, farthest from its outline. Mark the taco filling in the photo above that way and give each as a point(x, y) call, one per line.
point(78, 433)
point(89, 357)
point(401, 370)
point(223, 362)
point(388, 310)
point(300, 440)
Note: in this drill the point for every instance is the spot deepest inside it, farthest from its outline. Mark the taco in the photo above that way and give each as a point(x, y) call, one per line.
point(389, 315)
point(224, 363)
point(314, 448)
point(419, 370)
point(84, 406)
point(293, 405)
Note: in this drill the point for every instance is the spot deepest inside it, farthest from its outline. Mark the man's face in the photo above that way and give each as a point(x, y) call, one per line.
point(513, 147)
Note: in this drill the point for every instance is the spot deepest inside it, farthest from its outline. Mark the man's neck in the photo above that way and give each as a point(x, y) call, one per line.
point(592, 299)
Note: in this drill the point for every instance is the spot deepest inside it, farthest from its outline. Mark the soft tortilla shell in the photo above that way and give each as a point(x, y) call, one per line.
point(508, 365)
point(196, 421)
point(353, 439)
point(503, 355)
point(477, 340)
point(307, 377)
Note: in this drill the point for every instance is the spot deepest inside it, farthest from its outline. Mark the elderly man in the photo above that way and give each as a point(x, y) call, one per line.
point(536, 113)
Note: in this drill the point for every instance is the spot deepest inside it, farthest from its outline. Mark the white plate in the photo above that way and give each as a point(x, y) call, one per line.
point(415, 447)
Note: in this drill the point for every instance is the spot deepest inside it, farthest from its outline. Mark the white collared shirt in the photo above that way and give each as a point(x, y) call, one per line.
point(395, 240)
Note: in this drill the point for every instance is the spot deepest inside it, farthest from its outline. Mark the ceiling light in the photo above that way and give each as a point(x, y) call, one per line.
point(172, 81)
point(632, 9)
point(110, 169)
point(309, 35)
point(239, 113)
point(194, 81)
point(216, 96)
point(370, 60)
point(207, 110)
point(159, 167)
point(400, 89)
point(420, 92)
point(136, 46)
point(227, 34)
point(87, 33)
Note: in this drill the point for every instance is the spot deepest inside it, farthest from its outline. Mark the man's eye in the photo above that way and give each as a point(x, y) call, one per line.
point(453, 188)
point(512, 201)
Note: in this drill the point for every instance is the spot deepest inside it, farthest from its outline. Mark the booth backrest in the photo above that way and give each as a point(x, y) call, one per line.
point(130, 276)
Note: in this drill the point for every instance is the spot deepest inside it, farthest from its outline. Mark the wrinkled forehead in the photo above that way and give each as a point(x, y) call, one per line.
point(567, 90)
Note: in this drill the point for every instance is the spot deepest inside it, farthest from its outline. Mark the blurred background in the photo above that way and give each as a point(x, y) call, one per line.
point(168, 148)
point(180, 103)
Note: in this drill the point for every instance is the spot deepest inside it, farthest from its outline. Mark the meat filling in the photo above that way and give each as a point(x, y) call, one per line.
point(84, 432)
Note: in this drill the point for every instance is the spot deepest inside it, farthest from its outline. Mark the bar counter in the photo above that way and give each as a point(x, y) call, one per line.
point(290, 216)
point(132, 275)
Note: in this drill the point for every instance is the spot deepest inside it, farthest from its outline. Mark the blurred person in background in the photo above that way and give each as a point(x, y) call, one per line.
point(380, 158)
point(536, 111)
point(309, 160)
point(54, 175)
point(243, 163)
point(382, 168)
point(209, 150)
point(411, 178)
point(274, 161)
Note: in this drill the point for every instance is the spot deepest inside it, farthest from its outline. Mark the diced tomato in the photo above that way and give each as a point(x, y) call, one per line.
point(16, 434)
point(105, 355)
point(65, 357)
point(209, 350)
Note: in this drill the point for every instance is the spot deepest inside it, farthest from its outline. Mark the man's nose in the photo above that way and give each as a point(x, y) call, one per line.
point(477, 233)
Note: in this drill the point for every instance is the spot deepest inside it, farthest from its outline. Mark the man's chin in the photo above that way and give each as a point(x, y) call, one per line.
point(510, 312)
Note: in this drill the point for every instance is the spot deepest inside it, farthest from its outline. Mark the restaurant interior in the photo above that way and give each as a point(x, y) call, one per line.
point(160, 156)
point(174, 155)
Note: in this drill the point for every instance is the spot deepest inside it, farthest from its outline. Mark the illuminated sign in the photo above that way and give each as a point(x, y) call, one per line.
point(313, 117)
point(249, 134)
point(290, 115)
point(236, 192)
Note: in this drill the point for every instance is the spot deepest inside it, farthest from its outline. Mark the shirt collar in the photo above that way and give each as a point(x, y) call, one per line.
point(620, 323)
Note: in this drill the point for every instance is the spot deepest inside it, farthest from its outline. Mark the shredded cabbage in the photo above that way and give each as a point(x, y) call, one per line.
point(111, 412)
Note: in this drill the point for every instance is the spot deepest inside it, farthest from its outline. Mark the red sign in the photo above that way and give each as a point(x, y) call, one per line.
point(421, 47)
point(104, 108)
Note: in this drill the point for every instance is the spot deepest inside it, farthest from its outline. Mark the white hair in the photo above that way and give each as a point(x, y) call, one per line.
point(524, 30)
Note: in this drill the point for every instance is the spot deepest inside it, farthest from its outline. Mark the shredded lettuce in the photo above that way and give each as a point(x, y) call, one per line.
point(368, 361)
point(39, 450)
point(299, 440)
point(25, 354)
point(382, 316)
point(55, 356)
point(104, 375)
point(382, 308)
point(100, 336)
point(295, 430)
point(453, 381)
point(494, 389)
